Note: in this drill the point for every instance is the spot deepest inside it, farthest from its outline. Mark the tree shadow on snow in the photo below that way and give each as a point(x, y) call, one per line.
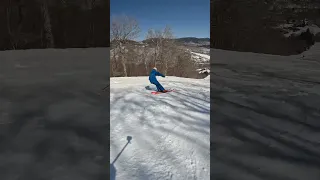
point(247, 135)
point(254, 130)
point(40, 128)
point(191, 115)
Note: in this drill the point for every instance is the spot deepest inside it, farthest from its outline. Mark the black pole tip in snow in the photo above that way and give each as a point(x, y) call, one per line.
point(129, 138)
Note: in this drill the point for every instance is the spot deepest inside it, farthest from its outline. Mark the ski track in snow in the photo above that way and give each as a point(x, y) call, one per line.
point(170, 132)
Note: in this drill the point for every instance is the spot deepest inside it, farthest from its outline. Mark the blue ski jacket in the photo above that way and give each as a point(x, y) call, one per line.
point(152, 76)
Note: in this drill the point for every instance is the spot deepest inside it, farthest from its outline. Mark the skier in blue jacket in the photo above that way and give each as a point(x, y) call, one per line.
point(153, 79)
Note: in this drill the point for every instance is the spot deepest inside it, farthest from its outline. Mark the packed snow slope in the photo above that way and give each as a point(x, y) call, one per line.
point(266, 115)
point(53, 125)
point(170, 132)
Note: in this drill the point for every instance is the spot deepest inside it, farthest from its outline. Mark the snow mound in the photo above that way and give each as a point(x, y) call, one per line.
point(204, 71)
point(170, 132)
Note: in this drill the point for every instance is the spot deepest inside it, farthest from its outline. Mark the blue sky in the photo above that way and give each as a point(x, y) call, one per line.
point(187, 18)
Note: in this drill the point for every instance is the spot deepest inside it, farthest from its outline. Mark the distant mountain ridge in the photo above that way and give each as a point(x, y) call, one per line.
point(194, 41)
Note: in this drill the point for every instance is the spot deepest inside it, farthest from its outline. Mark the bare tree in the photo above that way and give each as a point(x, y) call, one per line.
point(17, 38)
point(168, 43)
point(12, 40)
point(151, 36)
point(112, 62)
point(89, 5)
point(47, 23)
point(161, 39)
point(155, 36)
point(144, 57)
point(123, 29)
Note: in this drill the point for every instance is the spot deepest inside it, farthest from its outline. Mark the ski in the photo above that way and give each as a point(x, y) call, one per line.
point(157, 92)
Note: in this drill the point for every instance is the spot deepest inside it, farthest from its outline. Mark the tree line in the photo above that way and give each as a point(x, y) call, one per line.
point(159, 49)
point(37, 24)
point(250, 25)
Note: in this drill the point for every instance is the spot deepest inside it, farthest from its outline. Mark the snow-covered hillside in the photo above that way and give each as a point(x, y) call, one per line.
point(200, 58)
point(290, 30)
point(170, 132)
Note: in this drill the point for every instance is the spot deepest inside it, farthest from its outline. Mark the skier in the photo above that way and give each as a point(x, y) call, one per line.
point(153, 79)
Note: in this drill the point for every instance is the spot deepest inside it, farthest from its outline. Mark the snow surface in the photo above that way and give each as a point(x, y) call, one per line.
point(53, 125)
point(170, 132)
point(266, 115)
point(200, 58)
point(207, 78)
